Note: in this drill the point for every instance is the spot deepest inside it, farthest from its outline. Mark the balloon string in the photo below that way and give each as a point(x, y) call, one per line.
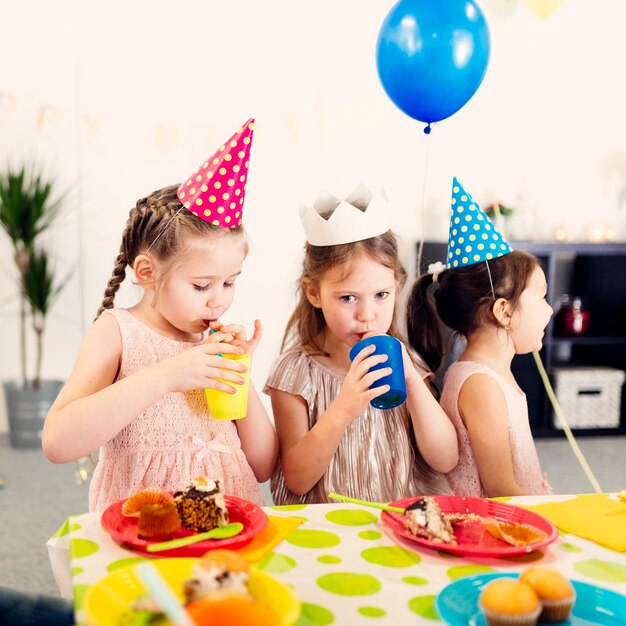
point(565, 426)
point(420, 219)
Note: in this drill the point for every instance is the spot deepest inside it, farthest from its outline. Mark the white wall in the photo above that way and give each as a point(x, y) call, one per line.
point(121, 98)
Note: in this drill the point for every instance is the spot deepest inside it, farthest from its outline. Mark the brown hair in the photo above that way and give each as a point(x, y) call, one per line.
point(306, 321)
point(463, 300)
point(158, 226)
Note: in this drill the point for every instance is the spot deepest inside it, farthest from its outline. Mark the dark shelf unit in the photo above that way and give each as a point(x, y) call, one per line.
point(597, 273)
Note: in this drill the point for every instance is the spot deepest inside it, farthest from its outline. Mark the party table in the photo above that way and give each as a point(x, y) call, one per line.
point(345, 566)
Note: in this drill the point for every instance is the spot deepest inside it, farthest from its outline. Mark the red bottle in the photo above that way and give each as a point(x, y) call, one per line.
point(575, 320)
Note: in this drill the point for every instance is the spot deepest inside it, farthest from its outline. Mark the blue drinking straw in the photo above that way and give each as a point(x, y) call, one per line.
point(211, 331)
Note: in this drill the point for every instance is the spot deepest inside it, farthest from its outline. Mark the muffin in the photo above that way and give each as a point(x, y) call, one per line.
point(132, 507)
point(158, 520)
point(555, 592)
point(508, 602)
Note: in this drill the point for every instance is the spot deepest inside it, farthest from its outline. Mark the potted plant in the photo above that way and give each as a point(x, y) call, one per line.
point(499, 214)
point(27, 209)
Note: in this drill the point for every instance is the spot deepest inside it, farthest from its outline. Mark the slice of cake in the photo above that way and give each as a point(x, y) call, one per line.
point(219, 573)
point(201, 505)
point(424, 519)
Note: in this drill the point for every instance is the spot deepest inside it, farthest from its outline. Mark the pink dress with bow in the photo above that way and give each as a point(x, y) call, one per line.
point(173, 440)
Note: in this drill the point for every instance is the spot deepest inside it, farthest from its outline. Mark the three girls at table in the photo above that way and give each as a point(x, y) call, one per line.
point(136, 391)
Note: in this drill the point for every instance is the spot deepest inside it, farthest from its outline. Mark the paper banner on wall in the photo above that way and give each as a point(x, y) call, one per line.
point(543, 8)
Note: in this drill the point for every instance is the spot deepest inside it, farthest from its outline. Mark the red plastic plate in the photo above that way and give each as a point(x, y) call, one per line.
point(124, 529)
point(472, 538)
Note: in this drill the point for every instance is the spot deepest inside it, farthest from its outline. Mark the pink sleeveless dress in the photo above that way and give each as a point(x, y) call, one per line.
point(464, 478)
point(173, 440)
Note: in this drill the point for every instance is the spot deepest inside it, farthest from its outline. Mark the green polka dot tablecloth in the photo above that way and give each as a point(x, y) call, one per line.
point(343, 564)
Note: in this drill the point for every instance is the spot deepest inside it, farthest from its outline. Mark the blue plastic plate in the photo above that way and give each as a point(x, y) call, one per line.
point(457, 604)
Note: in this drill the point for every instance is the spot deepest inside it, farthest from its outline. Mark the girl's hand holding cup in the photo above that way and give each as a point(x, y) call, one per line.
point(236, 334)
point(208, 364)
point(391, 384)
point(358, 388)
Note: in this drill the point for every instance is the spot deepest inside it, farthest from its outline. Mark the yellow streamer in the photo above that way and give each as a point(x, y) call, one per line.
point(565, 426)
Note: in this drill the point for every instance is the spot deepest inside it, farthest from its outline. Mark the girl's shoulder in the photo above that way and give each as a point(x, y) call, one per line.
point(460, 371)
point(123, 317)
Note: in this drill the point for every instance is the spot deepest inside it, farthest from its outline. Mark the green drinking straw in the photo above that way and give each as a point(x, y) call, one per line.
point(374, 505)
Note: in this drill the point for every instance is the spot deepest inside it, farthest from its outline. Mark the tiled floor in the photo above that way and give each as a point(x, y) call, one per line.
point(38, 496)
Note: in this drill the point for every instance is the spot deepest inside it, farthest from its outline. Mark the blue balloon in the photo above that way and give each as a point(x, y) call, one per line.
point(432, 56)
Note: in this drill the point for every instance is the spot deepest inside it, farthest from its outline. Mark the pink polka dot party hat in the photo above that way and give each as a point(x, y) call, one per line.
point(215, 193)
point(473, 236)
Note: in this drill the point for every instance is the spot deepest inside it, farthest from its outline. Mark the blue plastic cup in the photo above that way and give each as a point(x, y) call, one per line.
point(393, 349)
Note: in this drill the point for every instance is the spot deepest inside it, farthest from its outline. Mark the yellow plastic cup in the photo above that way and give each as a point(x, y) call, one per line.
point(231, 406)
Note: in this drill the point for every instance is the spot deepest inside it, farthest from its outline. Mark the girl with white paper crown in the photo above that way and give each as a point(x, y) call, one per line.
point(137, 388)
point(331, 438)
point(494, 297)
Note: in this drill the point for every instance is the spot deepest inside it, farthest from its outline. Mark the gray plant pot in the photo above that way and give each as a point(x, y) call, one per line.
point(27, 409)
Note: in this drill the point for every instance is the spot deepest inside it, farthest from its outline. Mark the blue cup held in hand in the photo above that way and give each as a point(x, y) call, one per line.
point(393, 349)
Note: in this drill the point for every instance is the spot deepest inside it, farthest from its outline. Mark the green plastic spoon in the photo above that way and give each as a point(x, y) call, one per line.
point(374, 505)
point(221, 532)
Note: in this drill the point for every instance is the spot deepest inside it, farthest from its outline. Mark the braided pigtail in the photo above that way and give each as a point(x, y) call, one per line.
point(119, 274)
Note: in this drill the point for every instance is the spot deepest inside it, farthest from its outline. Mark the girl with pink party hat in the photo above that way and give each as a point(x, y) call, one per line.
point(494, 297)
point(137, 388)
point(331, 438)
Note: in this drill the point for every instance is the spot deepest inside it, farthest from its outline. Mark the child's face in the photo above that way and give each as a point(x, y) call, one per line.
point(356, 300)
point(201, 288)
point(531, 316)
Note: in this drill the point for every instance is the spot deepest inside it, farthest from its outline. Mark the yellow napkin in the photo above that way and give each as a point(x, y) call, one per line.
point(593, 517)
point(264, 542)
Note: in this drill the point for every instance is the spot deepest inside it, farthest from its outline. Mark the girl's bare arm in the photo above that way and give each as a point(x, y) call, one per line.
point(484, 411)
point(434, 432)
point(258, 438)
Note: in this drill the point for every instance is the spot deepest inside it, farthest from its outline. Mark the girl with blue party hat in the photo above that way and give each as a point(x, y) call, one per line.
point(137, 389)
point(331, 437)
point(495, 298)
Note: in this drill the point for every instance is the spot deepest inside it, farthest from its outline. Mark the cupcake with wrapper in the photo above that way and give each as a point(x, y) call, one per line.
point(158, 520)
point(132, 507)
point(555, 592)
point(508, 602)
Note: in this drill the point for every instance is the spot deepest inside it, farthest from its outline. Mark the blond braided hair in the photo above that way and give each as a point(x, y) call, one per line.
point(157, 226)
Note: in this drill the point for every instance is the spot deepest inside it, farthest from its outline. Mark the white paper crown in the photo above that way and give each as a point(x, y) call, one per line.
point(359, 216)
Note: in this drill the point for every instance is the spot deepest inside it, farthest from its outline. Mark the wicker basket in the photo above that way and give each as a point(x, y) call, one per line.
point(590, 397)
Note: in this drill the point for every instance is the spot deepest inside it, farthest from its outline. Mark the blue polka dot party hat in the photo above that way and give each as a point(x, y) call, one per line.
point(473, 236)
